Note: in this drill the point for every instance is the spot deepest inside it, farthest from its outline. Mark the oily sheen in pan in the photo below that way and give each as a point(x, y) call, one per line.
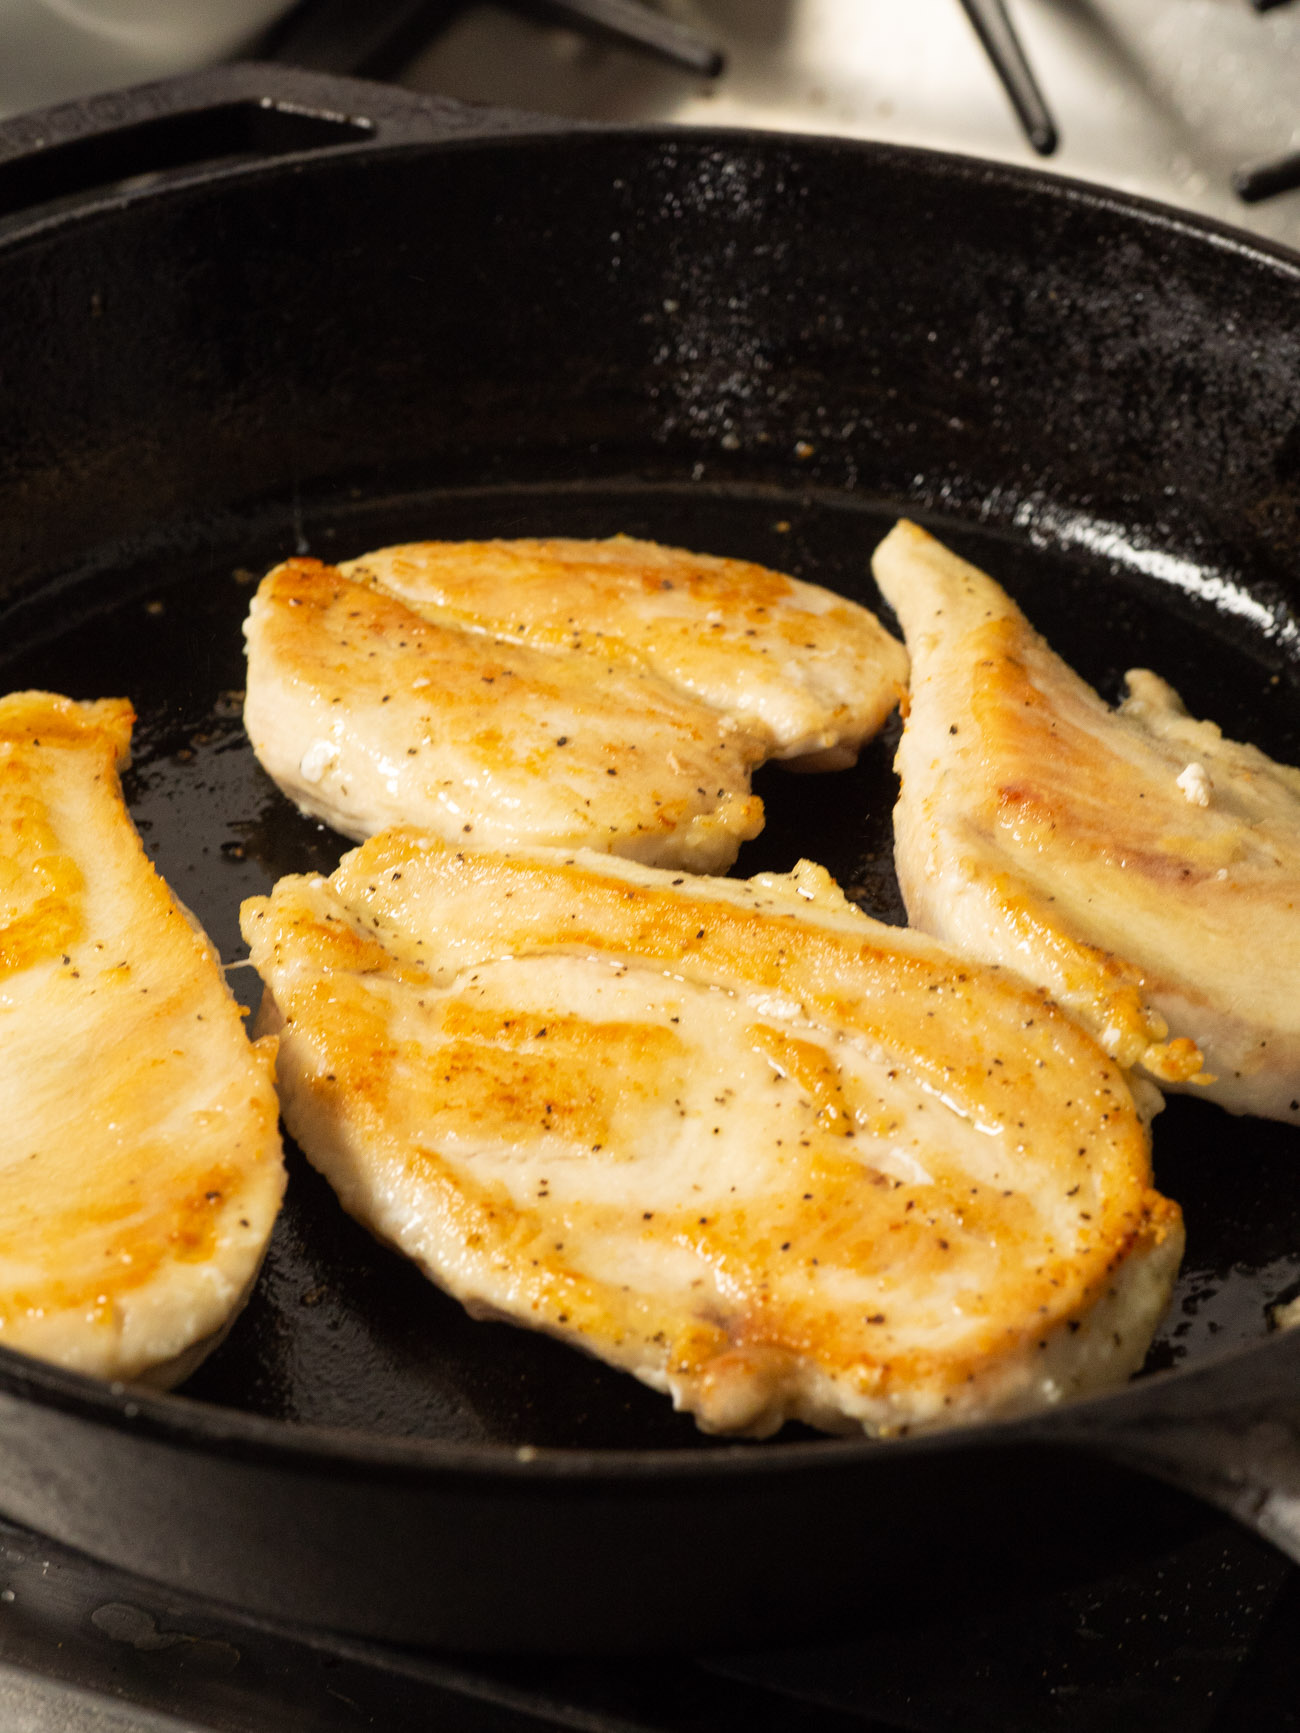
point(1133, 862)
point(771, 1157)
point(614, 695)
point(140, 1160)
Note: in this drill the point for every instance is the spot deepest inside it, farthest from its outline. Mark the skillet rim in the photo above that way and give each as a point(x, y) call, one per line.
point(485, 127)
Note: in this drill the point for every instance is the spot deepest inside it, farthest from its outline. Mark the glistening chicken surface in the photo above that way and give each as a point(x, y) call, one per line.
point(613, 695)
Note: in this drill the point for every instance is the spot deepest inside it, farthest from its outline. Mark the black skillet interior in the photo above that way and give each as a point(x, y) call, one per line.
point(343, 1332)
point(746, 346)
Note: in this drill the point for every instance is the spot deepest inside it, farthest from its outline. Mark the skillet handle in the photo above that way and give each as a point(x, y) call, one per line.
point(223, 120)
point(1228, 1432)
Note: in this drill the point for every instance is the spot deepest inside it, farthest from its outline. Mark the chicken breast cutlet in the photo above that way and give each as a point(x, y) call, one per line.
point(1133, 862)
point(140, 1160)
point(611, 695)
point(772, 1158)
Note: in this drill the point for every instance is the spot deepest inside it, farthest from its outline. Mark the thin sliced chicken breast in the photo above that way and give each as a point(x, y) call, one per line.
point(140, 1163)
point(769, 1156)
point(620, 702)
point(1133, 862)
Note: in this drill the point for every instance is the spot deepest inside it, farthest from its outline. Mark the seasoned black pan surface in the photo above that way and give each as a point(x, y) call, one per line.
point(761, 347)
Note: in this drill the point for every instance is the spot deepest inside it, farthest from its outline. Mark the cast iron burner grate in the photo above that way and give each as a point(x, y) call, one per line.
point(380, 41)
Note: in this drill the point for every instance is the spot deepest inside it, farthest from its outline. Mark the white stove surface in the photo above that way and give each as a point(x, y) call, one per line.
point(1159, 97)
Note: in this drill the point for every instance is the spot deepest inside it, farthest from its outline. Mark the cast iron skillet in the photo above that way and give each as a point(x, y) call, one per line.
point(341, 316)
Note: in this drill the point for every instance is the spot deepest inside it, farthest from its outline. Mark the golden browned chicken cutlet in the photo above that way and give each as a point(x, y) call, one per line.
point(611, 695)
point(765, 1154)
point(1136, 864)
point(140, 1161)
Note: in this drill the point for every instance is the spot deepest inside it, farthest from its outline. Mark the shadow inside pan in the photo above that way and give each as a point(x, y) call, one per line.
point(341, 1331)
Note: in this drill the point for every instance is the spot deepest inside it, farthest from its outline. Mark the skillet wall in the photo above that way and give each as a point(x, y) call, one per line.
point(743, 308)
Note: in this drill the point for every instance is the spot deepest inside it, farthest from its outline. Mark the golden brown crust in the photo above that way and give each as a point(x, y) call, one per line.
point(796, 665)
point(609, 694)
point(367, 715)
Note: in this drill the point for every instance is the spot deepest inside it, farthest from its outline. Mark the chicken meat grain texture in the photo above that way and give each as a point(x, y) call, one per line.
point(613, 695)
point(773, 1158)
point(140, 1161)
point(1141, 868)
